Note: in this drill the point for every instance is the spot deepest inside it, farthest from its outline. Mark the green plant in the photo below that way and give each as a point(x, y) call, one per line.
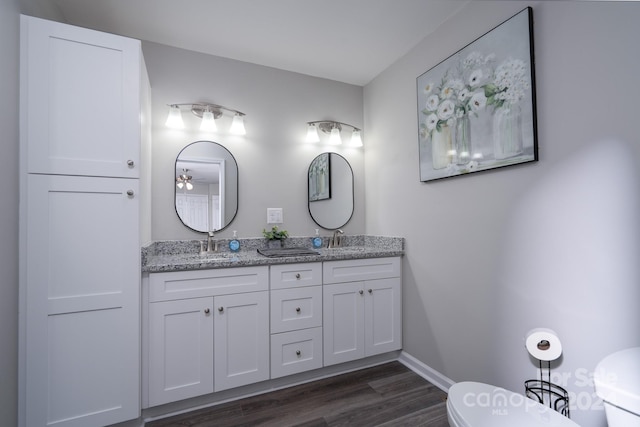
point(275, 234)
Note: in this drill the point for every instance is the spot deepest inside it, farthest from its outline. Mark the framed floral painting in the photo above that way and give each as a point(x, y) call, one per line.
point(476, 109)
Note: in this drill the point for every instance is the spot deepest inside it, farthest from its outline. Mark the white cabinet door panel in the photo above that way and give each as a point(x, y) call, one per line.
point(241, 339)
point(180, 349)
point(343, 318)
point(79, 308)
point(383, 318)
point(81, 100)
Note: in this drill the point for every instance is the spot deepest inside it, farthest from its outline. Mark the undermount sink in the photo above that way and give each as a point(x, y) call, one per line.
point(286, 252)
point(212, 256)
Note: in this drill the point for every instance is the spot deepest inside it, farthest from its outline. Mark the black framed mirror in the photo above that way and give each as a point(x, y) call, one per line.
point(330, 196)
point(206, 186)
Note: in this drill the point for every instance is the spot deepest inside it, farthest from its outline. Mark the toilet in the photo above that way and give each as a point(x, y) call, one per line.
point(472, 404)
point(617, 383)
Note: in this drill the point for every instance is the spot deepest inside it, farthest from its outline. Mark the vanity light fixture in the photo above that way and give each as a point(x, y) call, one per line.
point(184, 180)
point(208, 113)
point(333, 128)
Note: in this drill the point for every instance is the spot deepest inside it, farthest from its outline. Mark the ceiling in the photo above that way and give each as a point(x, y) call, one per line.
point(351, 41)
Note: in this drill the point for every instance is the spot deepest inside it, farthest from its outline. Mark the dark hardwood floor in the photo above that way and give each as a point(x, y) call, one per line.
point(384, 395)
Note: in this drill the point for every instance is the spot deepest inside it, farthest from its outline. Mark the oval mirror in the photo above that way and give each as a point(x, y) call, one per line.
point(330, 191)
point(206, 186)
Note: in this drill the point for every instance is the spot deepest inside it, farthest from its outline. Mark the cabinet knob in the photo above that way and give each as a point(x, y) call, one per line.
point(298, 352)
point(130, 193)
point(298, 276)
point(207, 311)
point(297, 309)
point(361, 292)
point(220, 309)
point(370, 291)
point(130, 163)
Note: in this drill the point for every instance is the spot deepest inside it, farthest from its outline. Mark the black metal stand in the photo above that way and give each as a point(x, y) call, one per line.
point(547, 393)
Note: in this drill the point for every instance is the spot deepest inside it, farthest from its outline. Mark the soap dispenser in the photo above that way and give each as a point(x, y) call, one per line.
point(234, 244)
point(316, 242)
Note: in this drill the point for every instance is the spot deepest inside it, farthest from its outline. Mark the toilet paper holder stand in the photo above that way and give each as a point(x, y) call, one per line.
point(546, 392)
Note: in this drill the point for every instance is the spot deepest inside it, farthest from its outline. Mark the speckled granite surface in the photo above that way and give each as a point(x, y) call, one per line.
point(184, 254)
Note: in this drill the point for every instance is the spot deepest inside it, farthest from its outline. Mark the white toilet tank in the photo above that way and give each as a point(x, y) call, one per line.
point(617, 383)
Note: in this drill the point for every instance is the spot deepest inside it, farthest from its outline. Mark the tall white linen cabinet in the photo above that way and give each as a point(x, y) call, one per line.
point(84, 99)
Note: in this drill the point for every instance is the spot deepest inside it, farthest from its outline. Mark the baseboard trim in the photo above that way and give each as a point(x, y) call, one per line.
point(426, 372)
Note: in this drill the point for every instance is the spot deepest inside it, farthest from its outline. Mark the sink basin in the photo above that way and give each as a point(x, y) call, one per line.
point(212, 256)
point(285, 252)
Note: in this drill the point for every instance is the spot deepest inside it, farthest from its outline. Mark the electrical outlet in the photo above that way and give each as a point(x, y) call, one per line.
point(274, 216)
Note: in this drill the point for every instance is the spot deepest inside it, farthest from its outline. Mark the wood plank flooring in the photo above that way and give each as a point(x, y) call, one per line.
point(384, 395)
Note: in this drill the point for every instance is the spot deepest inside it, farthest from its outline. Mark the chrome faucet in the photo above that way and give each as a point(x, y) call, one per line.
point(335, 241)
point(212, 245)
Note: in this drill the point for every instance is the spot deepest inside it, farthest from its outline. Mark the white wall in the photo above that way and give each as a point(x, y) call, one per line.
point(9, 51)
point(272, 158)
point(550, 244)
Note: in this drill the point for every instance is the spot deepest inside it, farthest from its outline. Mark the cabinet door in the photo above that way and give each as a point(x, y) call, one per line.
point(383, 317)
point(343, 322)
point(80, 275)
point(241, 339)
point(180, 349)
point(80, 100)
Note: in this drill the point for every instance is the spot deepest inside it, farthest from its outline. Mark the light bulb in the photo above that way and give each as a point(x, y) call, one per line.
point(174, 120)
point(189, 186)
point(237, 125)
point(208, 123)
point(180, 185)
point(356, 140)
point(312, 133)
point(334, 138)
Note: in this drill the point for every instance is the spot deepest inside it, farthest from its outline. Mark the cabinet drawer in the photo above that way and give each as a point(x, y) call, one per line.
point(200, 283)
point(293, 309)
point(360, 269)
point(297, 351)
point(296, 275)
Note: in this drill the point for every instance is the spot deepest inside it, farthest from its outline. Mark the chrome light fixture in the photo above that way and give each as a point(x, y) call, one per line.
point(208, 113)
point(184, 180)
point(334, 130)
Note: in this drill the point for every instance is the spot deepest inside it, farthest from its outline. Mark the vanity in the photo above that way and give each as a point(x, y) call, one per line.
point(217, 322)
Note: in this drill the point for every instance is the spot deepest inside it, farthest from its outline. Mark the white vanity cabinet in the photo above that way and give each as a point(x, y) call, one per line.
point(81, 97)
point(208, 331)
point(296, 318)
point(362, 308)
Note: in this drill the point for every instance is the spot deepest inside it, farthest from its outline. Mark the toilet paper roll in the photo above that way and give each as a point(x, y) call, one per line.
point(543, 344)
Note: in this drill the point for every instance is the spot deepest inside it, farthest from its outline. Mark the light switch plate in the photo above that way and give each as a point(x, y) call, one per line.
point(274, 216)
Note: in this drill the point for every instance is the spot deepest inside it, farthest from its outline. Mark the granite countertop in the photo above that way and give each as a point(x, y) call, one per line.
point(184, 254)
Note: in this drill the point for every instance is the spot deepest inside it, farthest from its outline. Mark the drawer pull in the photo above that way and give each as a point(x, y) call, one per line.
point(297, 309)
point(361, 292)
point(298, 276)
point(298, 352)
point(220, 309)
point(370, 291)
point(207, 311)
point(130, 163)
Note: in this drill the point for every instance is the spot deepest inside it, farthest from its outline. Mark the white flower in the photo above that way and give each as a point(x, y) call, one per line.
point(478, 101)
point(447, 92)
point(432, 121)
point(476, 77)
point(428, 88)
point(511, 80)
point(473, 60)
point(432, 103)
point(456, 84)
point(445, 109)
point(463, 95)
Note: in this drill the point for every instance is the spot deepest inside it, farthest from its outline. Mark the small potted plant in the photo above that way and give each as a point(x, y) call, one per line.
point(275, 237)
